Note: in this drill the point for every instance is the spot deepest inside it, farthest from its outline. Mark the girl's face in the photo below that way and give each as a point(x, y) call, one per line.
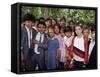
point(48, 23)
point(51, 32)
point(56, 29)
point(78, 30)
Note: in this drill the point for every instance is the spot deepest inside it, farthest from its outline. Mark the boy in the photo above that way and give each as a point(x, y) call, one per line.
point(26, 37)
point(92, 53)
point(38, 53)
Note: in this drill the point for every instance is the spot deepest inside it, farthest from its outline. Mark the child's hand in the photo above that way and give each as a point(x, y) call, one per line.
point(35, 41)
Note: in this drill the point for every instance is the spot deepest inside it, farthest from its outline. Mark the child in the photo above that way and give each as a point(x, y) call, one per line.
point(26, 37)
point(68, 42)
point(62, 50)
point(38, 53)
point(86, 32)
point(92, 53)
point(80, 48)
point(52, 48)
point(57, 28)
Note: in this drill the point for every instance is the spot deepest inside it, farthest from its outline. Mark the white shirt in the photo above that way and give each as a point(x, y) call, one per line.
point(79, 43)
point(29, 32)
point(68, 40)
point(92, 43)
point(38, 39)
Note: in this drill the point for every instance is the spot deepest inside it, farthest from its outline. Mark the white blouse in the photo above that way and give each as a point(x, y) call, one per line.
point(79, 43)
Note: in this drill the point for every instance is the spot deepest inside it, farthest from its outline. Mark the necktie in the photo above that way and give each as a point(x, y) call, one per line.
point(40, 38)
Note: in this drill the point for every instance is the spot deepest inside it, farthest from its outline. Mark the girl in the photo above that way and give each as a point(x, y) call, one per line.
point(52, 48)
point(62, 49)
point(68, 42)
point(80, 48)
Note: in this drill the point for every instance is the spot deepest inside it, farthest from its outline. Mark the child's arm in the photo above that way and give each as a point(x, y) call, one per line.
point(35, 41)
point(44, 44)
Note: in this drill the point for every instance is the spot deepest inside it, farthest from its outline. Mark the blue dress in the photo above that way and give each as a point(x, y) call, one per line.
point(52, 47)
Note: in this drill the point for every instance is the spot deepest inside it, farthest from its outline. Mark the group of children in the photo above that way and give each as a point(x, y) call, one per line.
point(49, 45)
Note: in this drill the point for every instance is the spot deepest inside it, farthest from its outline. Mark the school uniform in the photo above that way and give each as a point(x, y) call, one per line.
point(38, 53)
point(68, 44)
point(92, 55)
point(80, 52)
point(26, 41)
point(52, 46)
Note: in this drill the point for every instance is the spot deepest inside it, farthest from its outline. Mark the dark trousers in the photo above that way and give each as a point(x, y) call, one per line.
point(25, 61)
point(37, 59)
point(60, 65)
point(79, 64)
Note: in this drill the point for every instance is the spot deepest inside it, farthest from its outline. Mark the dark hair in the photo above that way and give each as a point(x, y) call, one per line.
point(78, 25)
point(36, 20)
point(51, 27)
point(92, 29)
point(40, 22)
point(48, 19)
point(41, 19)
point(29, 17)
point(58, 25)
point(85, 27)
point(67, 29)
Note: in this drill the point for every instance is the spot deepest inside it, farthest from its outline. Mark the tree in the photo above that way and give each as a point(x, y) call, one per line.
point(86, 16)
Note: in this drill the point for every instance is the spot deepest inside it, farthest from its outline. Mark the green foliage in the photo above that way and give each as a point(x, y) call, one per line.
point(86, 16)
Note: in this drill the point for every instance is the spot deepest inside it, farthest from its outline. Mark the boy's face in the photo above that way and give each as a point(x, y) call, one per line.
point(56, 29)
point(68, 34)
point(78, 30)
point(93, 35)
point(28, 23)
point(51, 32)
point(41, 28)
